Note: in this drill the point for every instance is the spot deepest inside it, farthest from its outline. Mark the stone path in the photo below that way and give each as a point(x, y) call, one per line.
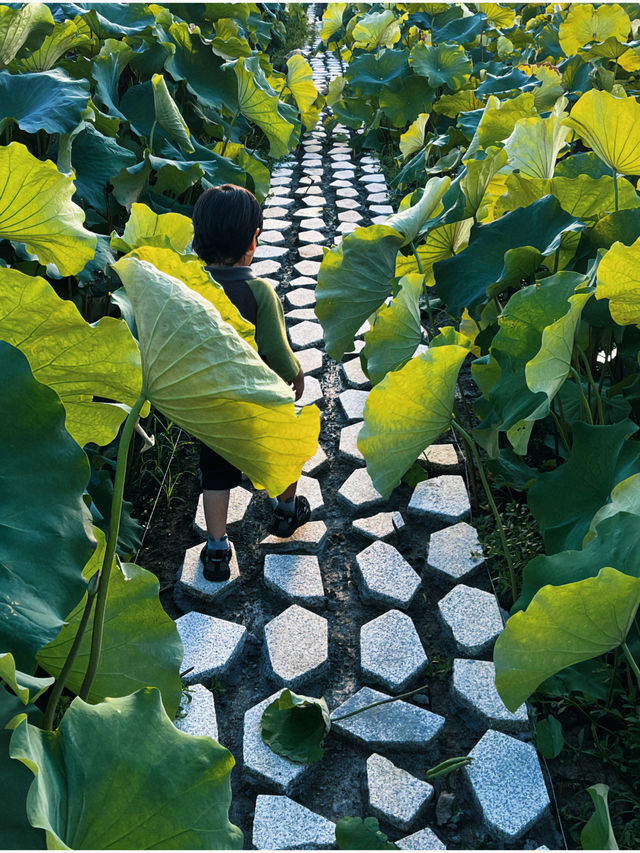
point(349, 611)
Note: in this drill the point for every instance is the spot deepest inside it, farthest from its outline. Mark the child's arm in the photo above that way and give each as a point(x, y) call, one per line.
point(271, 337)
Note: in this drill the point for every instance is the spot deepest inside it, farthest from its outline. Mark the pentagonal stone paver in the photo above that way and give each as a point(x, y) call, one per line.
point(276, 225)
point(310, 359)
point(455, 552)
point(263, 268)
point(473, 616)
point(282, 824)
point(274, 212)
point(299, 314)
point(355, 375)
point(211, 645)
point(349, 216)
point(507, 783)
point(423, 839)
point(394, 794)
point(396, 725)
point(309, 268)
point(441, 499)
point(379, 526)
point(340, 182)
point(281, 180)
point(314, 224)
point(239, 500)
point(378, 197)
point(308, 539)
point(315, 463)
point(347, 227)
point(349, 442)
point(301, 297)
point(296, 646)
point(344, 174)
point(381, 209)
point(352, 403)
point(296, 576)
point(373, 179)
point(191, 580)
point(309, 190)
point(272, 237)
point(378, 220)
point(347, 204)
point(311, 237)
point(442, 458)
point(260, 763)
point(385, 576)
point(391, 653)
point(308, 213)
point(306, 334)
point(302, 281)
point(280, 200)
point(265, 253)
point(474, 685)
point(347, 192)
point(358, 492)
point(309, 487)
point(198, 712)
point(310, 252)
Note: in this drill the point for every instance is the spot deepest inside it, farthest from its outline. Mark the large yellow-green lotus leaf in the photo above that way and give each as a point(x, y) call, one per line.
point(65, 36)
point(545, 95)
point(562, 626)
point(15, 26)
point(300, 82)
point(619, 282)
point(516, 190)
point(611, 126)
point(258, 103)
point(500, 118)
point(331, 20)
point(407, 411)
point(201, 374)
point(191, 272)
point(36, 209)
point(478, 177)
point(534, 144)
point(590, 198)
point(168, 115)
point(412, 139)
point(460, 102)
point(630, 59)
point(77, 359)
point(442, 242)
point(499, 15)
point(625, 497)
point(377, 29)
point(584, 24)
point(409, 222)
point(146, 228)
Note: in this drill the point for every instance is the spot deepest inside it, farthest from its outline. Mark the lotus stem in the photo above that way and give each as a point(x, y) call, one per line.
point(494, 509)
point(227, 135)
point(153, 130)
point(592, 384)
point(583, 399)
point(615, 187)
point(110, 549)
point(426, 294)
point(380, 702)
point(631, 661)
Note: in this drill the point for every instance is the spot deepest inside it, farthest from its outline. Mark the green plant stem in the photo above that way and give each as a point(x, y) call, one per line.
point(227, 135)
point(583, 399)
point(426, 295)
point(494, 509)
point(615, 187)
point(381, 702)
point(561, 430)
point(153, 130)
point(631, 661)
point(592, 384)
point(110, 549)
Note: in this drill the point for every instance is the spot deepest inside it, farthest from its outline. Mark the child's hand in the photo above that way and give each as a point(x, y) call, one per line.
point(298, 385)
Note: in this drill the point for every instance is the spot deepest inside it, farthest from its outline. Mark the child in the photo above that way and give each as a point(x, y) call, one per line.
point(226, 224)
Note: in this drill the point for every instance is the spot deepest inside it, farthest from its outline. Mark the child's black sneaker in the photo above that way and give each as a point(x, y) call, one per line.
point(284, 525)
point(215, 564)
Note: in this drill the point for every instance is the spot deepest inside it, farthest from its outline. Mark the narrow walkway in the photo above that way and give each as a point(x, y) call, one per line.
point(361, 603)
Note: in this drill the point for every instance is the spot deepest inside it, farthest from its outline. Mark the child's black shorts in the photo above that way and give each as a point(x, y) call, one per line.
point(216, 472)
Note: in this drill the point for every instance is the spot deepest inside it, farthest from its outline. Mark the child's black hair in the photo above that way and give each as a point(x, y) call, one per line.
point(225, 218)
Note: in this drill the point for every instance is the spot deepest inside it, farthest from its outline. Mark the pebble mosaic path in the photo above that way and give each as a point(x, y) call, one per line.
point(504, 786)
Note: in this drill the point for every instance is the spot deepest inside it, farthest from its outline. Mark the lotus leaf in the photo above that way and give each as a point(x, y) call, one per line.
point(195, 62)
point(48, 101)
point(500, 118)
point(96, 160)
point(410, 221)
point(598, 834)
point(619, 282)
point(480, 171)
point(377, 29)
point(535, 143)
point(258, 102)
point(168, 115)
point(331, 20)
point(353, 833)
point(295, 727)
point(372, 75)
point(113, 58)
point(17, 24)
point(26, 687)
point(584, 24)
point(442, 64)
point(146, 228)
point(65, 36)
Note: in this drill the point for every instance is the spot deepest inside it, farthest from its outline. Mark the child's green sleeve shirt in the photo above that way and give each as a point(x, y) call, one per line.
point(271, 332)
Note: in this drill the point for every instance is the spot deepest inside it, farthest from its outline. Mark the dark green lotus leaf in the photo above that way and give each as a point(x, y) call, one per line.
point(462, 30)
point(131, 183)
point(565, 500)
point(369, 74)
point(598, 833)
point(49, 100)
point(106, 70)
point(354, 280)
point(549, 737)
point(101, 483)
point(514, 79)
point(615, 543)
point(353, 833)
point(462, 281)
point(442, 64)
point(621, 226)
point(353, 112)
point(584, 163)
point(96, 160)
point(509, 469)
point(406, 100)
point(40, 563)
point(137, 107)
point(116, 19)
point(121, 775)
point(296, 726)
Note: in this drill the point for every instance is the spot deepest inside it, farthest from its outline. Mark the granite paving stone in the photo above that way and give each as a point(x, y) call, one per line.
point(378, 198)
point(349, 216)
point(442, 458)
point(198, 712)
point(309, 268)
point(260, 763)
point(507, 783)
point(397, 725)
point(280, 823)
point(394, 794)
point(302, 281)
point(441, 499)
point(473, 617)
point(308, 213)
point(349, 442)
point(309, 190)
point(239, 501)
point(312, 224)
point(310, 360)
point(391, 653)
point(381, 209)
point(378, 220)
point(312, 390)
point(347, 204)
point(340, 182)
point(296, 576)
point(455, 552)
point(191, 581)
point(373, 179)
point(352, 402)
point(296, 646)
point(308, 539)
point(306, 334)
point(311, 237)
point(272, 237)
point(265, 253)
point(301, 297)
point(279, 200)
point(474, 686)
point(276, 225)
point(344, 174)
point(347, 192)
point(423, 839)
point(263, 268)
point(274, 212)
point(347, 227)
point(316, 463)
point(355, 375)
point(313, 250)
point(385, 576)
point(370, 188)
point(309, 487)
point(310, 180)
point(211, 645)
point(379, 526)
point(358, 493)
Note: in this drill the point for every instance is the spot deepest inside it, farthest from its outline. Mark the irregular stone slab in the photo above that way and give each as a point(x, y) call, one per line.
point(397, 725)
point(260, 763)
point(352, 403)
point(347, 227)
point(302, 297)
point(312, 390)
point(306, 334)
point(310, 180)
point(355, 375)
point(391, 653)
point(347, 192)
point(191, 580)
point(280, 200)
point(473, 617)
point(340, 182)
point(272, 237)
point(296, 576)
point(312, 147)
point(281, 180)
point(455, 552)
point(378, 220)
point(310, 360)
point(310, 252)
point(308, 539)
point(308, 213)
point(442, 458)
point(311, 237)
point(349, 442)
point(371, 188)
point(378, 198)
point(316, 463)
point(385, 576)
point(270, 252)
point(379, 526)
point(424, 839)
point(349, 216)
point(276, 225)
point(347, 204)
point(474, 686)
point(381, 209)
point(263, 268)
point(441, 499)
point(309, 268)
point(211, 646)
point(298, 314)
point(507, 782)
point(309, 190)
point(310, 488)
point(302, 281)
point(239, 501)
point(344, 174)
point(312, 224)
point(373, 179)
point(358, 493)
point(282, 824)
point(271, 211)
point(394, 794)
point(198, 713)
point(296, 646)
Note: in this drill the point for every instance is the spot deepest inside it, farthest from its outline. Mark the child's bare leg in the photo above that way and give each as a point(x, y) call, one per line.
point(289, 493)
point(216, 507)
